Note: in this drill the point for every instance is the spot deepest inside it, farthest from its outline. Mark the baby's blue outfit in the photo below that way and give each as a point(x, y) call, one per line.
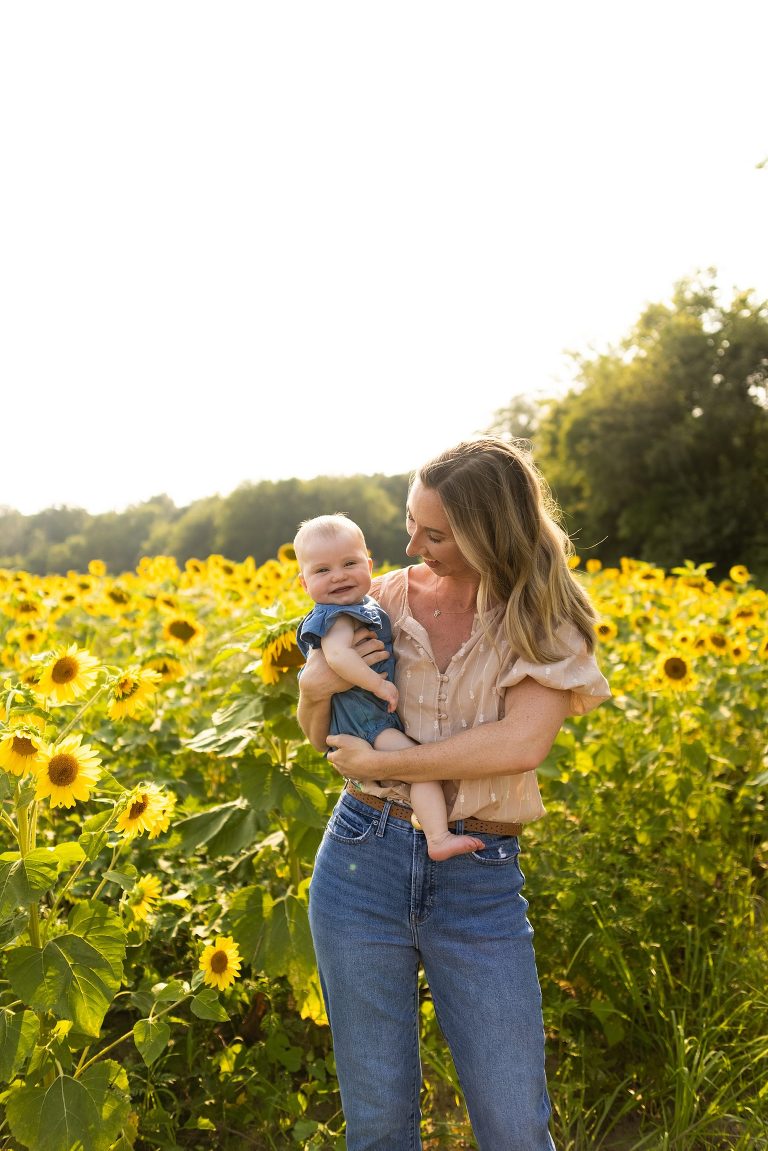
point(357, 711)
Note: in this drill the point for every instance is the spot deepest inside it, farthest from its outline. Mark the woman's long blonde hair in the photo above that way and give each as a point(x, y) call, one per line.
point(507, 525)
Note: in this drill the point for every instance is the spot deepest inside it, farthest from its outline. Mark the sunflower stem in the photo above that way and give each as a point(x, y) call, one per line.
point(6, 820)
point(81, 1067)
point(68, 884)
point(82, 711)
point(104, 881)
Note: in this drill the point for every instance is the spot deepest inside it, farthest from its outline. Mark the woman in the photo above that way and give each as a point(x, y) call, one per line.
point(494, 639)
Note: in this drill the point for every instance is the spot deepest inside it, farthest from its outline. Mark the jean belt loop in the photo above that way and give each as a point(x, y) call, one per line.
point(459, 826)
point(383, 818)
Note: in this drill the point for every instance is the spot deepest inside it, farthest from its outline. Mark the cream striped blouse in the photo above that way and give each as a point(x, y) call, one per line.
point(435, 705)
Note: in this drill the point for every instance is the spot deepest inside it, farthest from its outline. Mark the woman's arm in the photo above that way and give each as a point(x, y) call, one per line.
point(519, 742)
point(317, 683)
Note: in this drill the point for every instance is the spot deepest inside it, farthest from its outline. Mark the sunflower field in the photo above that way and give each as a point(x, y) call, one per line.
point(160, 815)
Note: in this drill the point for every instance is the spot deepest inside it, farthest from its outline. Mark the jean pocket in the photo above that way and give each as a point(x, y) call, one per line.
point(347, 825)
point(499, 851)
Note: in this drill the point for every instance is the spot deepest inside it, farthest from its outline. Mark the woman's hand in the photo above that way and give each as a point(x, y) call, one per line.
point(354, 758)
point(319, 681)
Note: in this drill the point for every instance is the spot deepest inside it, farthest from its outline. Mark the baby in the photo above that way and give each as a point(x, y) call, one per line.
point(335, 570)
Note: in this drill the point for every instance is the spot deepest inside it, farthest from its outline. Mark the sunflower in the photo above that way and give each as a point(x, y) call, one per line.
point(286, 553)
point(97, 568)
point(280, 656)
point(593, 566)
point(24, 609)
point(220, 963)
point(718, 642)
point(20, 749)
point(146, 892)
point(740, 651)
point(606, 629)
point(27, 638)
point(70, 673)
point(182, 630)
point(131, 692)
point(144, 811)
point(67, 772)
point(739, 574)
point(673, 670)
point(745, 616)
point(163, 822)
point(167, 666)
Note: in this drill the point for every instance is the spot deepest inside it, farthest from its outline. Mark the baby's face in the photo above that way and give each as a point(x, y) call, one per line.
point(335, 569)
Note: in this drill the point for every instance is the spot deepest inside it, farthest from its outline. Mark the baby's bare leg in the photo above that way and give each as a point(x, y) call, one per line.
point(428, 802)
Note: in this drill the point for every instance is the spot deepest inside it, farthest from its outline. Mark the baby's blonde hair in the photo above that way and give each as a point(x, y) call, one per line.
point(329, 526)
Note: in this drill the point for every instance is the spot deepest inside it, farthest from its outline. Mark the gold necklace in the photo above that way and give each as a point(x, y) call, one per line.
point(438, 611)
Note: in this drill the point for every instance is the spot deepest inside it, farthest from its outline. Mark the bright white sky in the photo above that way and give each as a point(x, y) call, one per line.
point(255, 240)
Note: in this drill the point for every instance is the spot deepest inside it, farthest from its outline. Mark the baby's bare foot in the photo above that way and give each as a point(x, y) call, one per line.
point(448, 845)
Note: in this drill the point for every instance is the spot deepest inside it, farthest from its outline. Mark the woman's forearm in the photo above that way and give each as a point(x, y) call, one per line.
point(517, 743)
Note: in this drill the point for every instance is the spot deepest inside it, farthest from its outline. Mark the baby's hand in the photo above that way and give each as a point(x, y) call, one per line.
point(389, 693)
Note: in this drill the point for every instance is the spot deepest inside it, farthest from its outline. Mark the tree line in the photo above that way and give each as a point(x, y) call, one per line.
point(658, 451)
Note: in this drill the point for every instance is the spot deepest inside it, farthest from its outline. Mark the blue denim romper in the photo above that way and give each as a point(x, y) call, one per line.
point(357, 711)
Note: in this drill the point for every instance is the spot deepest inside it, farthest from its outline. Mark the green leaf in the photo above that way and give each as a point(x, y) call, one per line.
point(13, 927)
point(23, 881)
point(151, 1038)
point(206, 1005)
point(68, 855)
point(77, 974)
point(94, 838)
point(264, 784)
point(225, 829)
point(84, 1114)
point(126, 879)
point(274, 934)
point(18, 1035)
point(170, 992)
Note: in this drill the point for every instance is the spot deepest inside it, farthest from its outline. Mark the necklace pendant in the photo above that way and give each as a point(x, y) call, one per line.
point(436, 612)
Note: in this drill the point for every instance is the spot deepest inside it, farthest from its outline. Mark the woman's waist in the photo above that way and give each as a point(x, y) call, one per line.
point(465, 801)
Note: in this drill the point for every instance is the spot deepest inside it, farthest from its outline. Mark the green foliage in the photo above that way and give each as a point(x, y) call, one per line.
point(661, 451)
point(255, 520)
point(647, 879)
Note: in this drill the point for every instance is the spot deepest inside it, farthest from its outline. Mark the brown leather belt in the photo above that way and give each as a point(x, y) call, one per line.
point(400, 811)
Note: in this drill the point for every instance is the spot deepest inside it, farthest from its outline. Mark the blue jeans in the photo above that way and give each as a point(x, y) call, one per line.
point(379, 907)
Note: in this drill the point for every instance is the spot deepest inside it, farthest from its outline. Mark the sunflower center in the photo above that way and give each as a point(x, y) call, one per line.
point(117, 595)
point(23, 745)
point(64, 670)
point(182, 630)
point(718, 640)
point(219, 962)
point(675, 668)
point(126, 687)
point(62, 769)
point(138, 807)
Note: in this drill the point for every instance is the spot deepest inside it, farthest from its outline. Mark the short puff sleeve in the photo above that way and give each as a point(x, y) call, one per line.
point(577, 672)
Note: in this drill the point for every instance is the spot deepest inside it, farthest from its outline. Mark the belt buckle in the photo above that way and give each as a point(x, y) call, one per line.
point(415, 824)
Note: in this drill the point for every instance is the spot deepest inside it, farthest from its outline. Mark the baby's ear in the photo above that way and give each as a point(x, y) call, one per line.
point(302, 581)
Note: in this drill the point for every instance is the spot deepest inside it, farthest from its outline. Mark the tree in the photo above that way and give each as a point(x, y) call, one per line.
point(661, 452)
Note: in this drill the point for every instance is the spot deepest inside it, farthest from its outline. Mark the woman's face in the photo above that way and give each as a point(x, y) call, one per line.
point(431, 535)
